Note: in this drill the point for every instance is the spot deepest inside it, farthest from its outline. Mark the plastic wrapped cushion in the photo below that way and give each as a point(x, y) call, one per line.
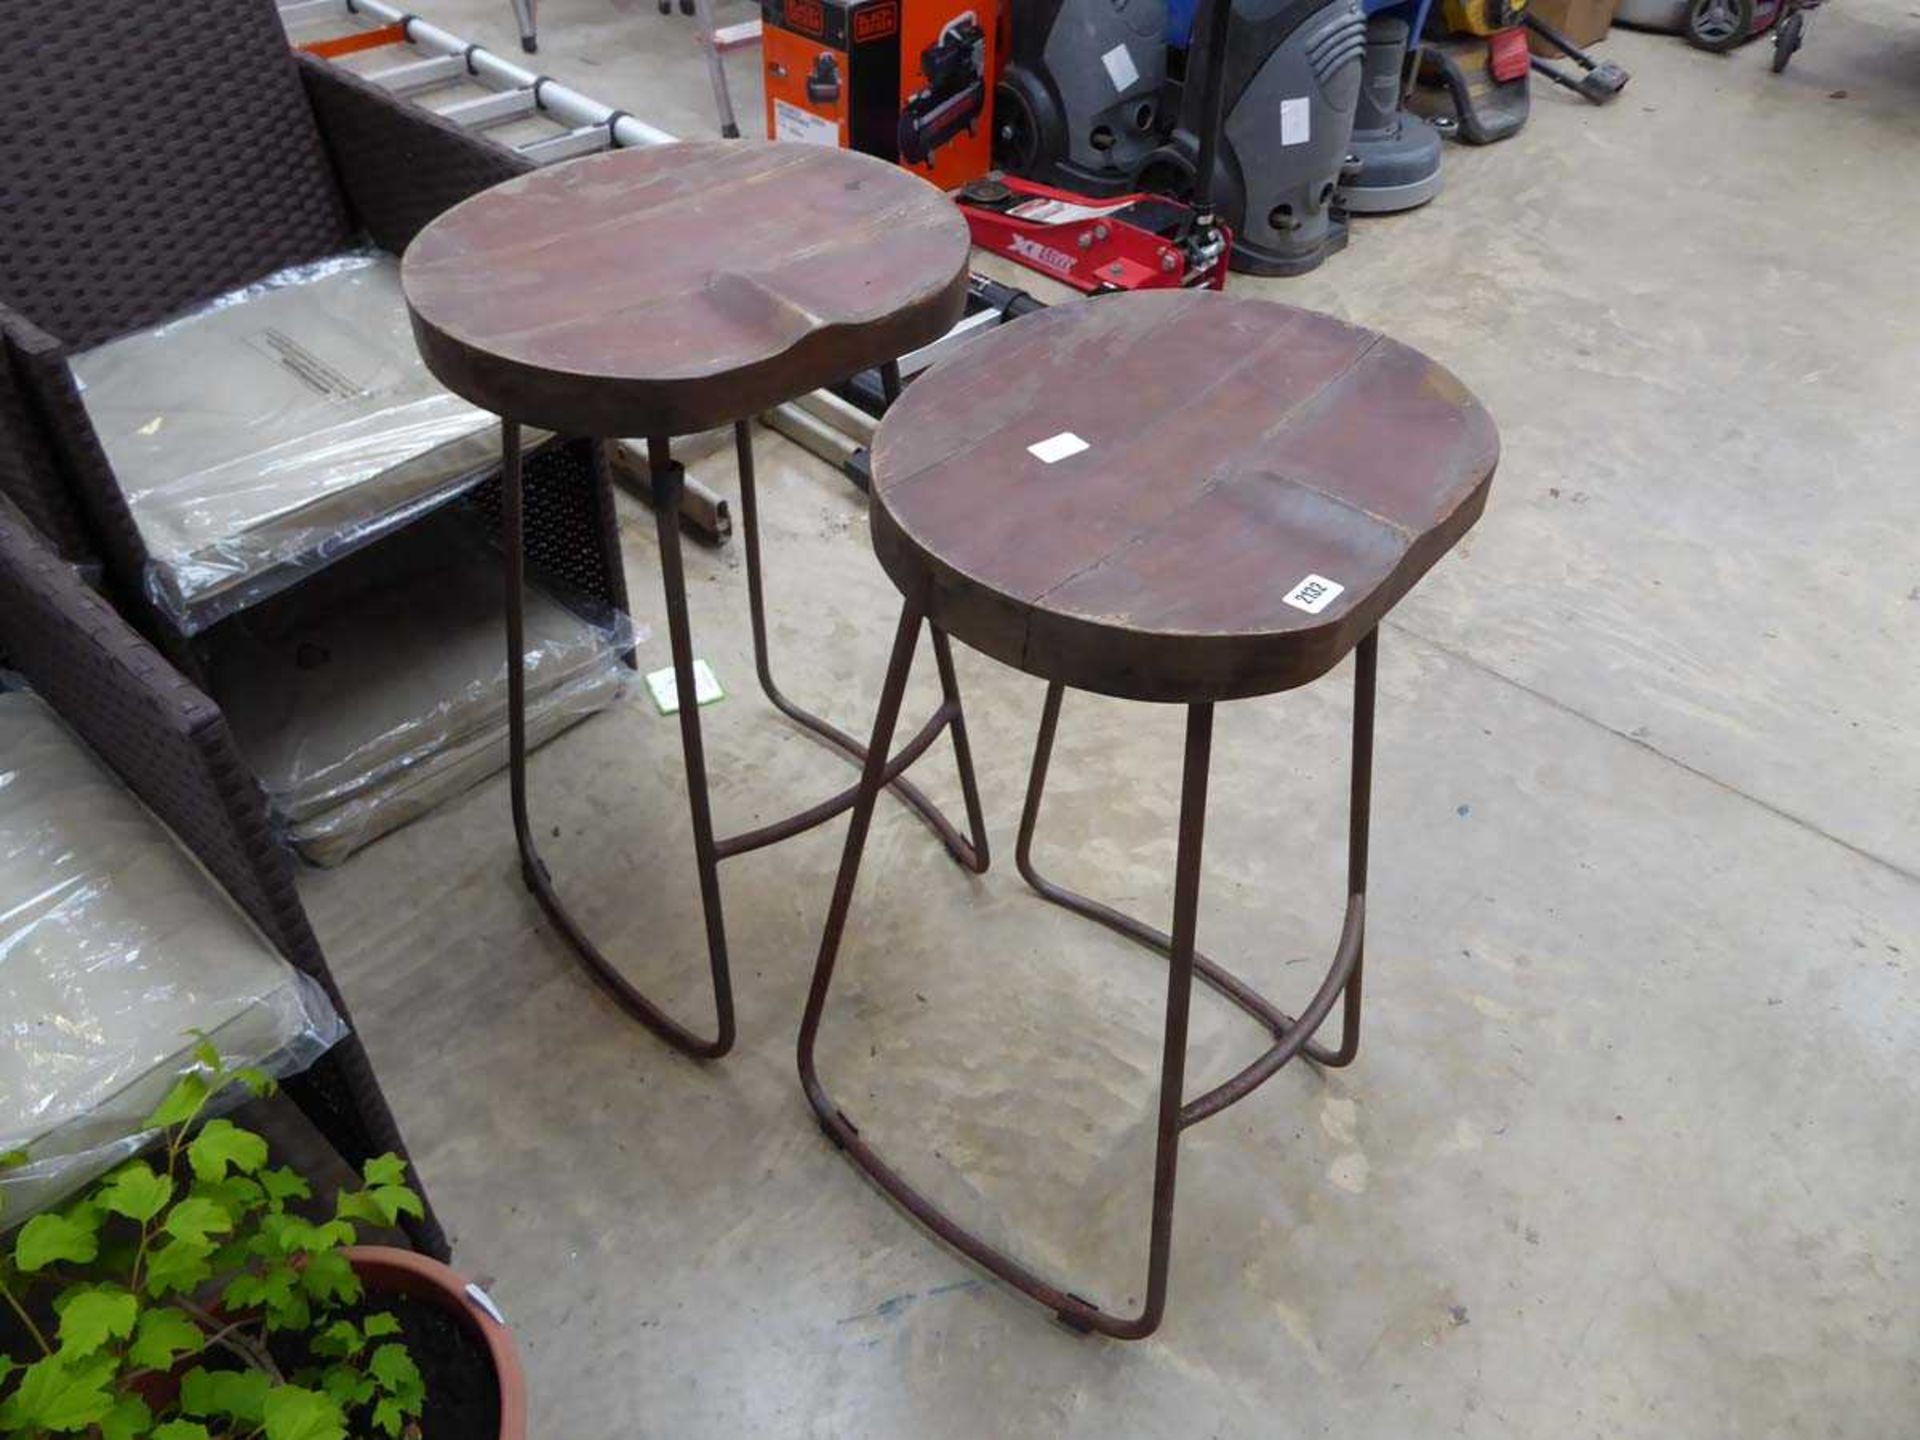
point(365, 701)
point(330, 836)
point(274, 428)
point(114, 944)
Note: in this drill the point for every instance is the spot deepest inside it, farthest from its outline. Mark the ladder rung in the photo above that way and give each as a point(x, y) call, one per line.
point(493, 109)
point(419, 74)
point(583, 141)
point(299, 10)
point(736, 37)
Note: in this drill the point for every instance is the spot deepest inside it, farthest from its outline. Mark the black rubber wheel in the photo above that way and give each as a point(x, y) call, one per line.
point(1029, 134)
point(1718, 25)
point(1170, 170)
point(1786, 40)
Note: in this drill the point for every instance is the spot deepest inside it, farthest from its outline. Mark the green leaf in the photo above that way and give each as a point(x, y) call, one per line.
point(296, 1414)
point(7, 1366)
point(295, 1314)
point(90, 1318)
point(162, 1337)
point(230, 1257)
point(379, 1326)
point(276, 1290)
point(205, 1051)
point(255, 1289)
point(60, 1393)
point(182, 1265)
point(129, 1419)
point(359, 1207)
point(258, 1082)
point(283, 1185)
point(237, 1195)
point(381, 1205)
point(223, 1145)
point(183, 1102)
point(193, 1219)
point(349, 1388)
point(339, 1341)
point(48, 1238)
point(328, 1277)
point(302, 1237)
point(386, 1169)
point(136, 1192)
point(389, 1418)
point(181, 1430)
point(396, 1373)
point(12, 1159)
point(233, 1394)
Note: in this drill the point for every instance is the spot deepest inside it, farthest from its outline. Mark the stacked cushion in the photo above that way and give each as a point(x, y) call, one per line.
point(274, 428)
point(114, 945)
point(367, 697)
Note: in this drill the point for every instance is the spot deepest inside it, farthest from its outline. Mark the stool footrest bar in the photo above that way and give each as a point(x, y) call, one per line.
point(729, 846)
point(1294, 1039)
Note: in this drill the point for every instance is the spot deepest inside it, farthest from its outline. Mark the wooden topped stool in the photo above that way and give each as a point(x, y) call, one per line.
point(1169, 496)
point(665, 291)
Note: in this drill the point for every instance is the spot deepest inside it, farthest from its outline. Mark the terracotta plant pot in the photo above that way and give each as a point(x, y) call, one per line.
point(405, 1273)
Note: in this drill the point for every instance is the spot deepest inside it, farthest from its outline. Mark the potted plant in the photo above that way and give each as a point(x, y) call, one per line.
point(186, 1299)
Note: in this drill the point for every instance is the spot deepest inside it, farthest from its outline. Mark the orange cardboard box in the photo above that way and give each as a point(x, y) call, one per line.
point(907, 80)
point(1584, 22)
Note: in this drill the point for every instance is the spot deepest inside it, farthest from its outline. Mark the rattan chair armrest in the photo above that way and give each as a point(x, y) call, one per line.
point(399, 165)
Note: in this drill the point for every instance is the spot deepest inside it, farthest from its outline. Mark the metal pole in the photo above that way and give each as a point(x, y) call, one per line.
point(716, 69)
point(1213, 49)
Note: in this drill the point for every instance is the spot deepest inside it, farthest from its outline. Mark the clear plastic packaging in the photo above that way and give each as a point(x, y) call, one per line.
point(330, 836)
point(276, 428)
point(114, 946)
point(364, 702)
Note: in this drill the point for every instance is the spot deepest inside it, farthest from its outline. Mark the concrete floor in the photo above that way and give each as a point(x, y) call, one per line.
point(1630, 1147)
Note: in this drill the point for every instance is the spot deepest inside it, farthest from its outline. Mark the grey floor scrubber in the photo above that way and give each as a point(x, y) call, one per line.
point(1095, 100)
point(1078, 105)
point(1397, 153)
point(1290, 89)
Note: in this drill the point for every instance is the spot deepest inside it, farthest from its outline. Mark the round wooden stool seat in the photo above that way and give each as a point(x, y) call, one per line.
point(665, 291)
point(1175, 495)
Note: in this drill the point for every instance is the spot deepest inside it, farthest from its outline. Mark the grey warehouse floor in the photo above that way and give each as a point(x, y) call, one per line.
point(1630, 1147)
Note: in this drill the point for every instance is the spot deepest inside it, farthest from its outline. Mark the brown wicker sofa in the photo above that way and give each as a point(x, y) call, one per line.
point(171, 746)
point(157, 156)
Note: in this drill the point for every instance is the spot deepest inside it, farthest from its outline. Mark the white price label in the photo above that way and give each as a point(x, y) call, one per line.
point(1120, 68)
point(1296, 121)
point(665, 688)
point(1314, 594)
point(1056, 448)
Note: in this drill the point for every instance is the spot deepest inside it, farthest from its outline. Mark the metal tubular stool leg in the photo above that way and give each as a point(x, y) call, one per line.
point(1366, 656)
point(1291, 1037)
point(532, 868)
point(667, 477)
point(972, 854)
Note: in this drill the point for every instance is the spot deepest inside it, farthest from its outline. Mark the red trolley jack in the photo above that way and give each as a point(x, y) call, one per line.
point(1128, 242)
